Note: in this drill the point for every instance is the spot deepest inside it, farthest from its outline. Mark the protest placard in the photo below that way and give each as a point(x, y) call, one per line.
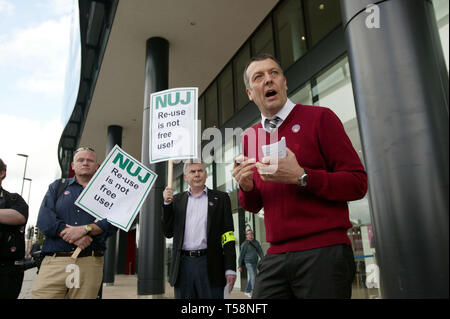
point(117, 190)
point(173, 124)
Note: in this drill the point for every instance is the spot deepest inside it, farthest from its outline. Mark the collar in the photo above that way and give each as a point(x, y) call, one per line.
point(205, 191)
point(72, 180)
point(282, 114)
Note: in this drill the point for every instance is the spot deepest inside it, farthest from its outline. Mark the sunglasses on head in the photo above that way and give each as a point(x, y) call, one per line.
point(83, 149)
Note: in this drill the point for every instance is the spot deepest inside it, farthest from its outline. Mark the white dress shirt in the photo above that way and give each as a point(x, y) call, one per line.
point(282, 114)
point(196, 221)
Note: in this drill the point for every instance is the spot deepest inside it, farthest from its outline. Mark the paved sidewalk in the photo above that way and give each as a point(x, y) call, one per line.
point(27, 284)
point(125, 287)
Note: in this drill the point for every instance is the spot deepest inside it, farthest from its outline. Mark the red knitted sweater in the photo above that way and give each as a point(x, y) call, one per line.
point(316, 215)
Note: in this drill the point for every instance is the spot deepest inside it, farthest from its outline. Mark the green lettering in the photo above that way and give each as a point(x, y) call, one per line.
point(123, 164)
point(159, 100)
point(188, 98)
point(177, 96)
point(136, 172)
point(145, 178)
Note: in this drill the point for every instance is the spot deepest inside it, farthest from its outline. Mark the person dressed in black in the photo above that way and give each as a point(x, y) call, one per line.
point(13, 217)
point(201, 224)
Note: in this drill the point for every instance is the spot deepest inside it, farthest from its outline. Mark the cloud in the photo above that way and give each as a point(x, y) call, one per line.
point(6, 7)
point(57, 7)
point(42, 43)
point(40, 142)
point(43, 49)
point(42, 82)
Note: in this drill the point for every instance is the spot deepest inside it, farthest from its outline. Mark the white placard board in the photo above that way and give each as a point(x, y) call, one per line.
point(117, 190)
point(173, 124)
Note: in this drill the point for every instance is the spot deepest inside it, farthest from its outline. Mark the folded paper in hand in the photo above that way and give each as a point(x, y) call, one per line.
point(277, 149)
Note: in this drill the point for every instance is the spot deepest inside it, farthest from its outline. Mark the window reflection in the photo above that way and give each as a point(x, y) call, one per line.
point(211, 106)
point(333, 89)
point(239, 63)
point(226, 103)
point(441, 12)
point(201, 113)
point(323, 16)
point(176, 186)
point(225, 181)
point(291, 34)
point(209, 179)
point(302, 95)
point(262, 41)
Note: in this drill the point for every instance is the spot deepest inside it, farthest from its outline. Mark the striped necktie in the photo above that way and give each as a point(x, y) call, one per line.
point(271, 124)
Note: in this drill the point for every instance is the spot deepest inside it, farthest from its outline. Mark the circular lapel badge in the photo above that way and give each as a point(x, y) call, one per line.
point(296, 128)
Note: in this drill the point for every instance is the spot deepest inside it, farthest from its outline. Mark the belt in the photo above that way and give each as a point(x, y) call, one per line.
point(95, 253)
point(194, 253)
point(5, 263)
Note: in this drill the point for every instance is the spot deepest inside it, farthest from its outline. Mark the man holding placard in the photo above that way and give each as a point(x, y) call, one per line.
point(67, 227)
point(200, 221)
point(117, 190)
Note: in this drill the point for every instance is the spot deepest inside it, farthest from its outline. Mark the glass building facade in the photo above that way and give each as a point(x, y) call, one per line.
point(307, 37)
point(293, 32)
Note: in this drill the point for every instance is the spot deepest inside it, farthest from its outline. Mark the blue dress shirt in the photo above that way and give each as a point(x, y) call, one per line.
point(54, 214)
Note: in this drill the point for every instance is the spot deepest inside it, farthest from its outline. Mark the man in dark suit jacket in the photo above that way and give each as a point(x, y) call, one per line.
point(201, 224)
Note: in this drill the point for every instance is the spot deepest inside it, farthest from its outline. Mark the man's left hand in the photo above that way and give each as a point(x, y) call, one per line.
point(280, 170)
point(230, 282)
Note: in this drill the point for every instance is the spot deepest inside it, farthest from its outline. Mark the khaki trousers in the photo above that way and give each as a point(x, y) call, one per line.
point(64, 277)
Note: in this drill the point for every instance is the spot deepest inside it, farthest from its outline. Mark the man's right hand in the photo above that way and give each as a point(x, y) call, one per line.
point(168, 194)
point(83, 242)
point(243, 172)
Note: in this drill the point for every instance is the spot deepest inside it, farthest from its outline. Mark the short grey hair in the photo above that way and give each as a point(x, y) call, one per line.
point(189, 162)
point(83, 148)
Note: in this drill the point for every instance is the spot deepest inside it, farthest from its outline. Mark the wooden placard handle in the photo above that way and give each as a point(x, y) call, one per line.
point(170, 174)
point(78, 250)
point(76, 253)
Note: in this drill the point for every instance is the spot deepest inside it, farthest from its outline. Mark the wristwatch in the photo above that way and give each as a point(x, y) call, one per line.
point(303, 180)
point(88, 229)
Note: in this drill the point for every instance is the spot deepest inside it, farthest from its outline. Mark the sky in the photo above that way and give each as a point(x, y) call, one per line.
point(34, 51)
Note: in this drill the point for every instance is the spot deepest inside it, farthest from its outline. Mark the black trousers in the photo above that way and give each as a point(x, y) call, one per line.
point(193, 282)
point(325, 272)
point(11, 278)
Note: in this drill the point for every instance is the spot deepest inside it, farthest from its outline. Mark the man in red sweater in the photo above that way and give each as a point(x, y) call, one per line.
point(304, 195)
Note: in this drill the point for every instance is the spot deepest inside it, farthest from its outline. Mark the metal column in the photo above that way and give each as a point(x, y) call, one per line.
point(114, 137)
point(151, 239)
point(400, 85)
